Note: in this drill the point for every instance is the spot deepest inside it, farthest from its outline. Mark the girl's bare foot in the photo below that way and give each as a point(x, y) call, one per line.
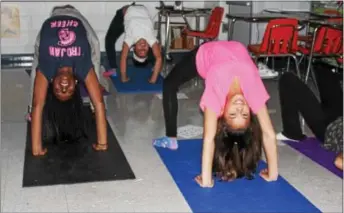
point(153, 79)
point(100, 147)
point(125, 79)
point(39, 152)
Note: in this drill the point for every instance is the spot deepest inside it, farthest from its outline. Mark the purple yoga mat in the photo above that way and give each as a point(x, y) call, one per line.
point(84, 92)
point(312, 148)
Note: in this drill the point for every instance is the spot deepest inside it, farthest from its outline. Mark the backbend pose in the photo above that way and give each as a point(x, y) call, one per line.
point(69, 10)
point(64, 59)
point(233, 98)
point(134, 21)
point(323, 117)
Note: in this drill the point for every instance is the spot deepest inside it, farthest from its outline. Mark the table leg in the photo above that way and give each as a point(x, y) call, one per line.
point(167, 33)
point(159, 27)
point(198, 21)
point(231, 28)
point(197, 80)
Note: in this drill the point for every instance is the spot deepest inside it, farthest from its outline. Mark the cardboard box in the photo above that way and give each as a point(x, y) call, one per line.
point(176, 38)
point(188, 42)
point(177, 43)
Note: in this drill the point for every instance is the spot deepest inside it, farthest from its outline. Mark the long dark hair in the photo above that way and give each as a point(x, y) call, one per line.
point(237, 152)
point(63, 121)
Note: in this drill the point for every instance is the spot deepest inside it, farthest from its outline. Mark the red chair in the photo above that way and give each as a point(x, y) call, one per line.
point(308, 38)
point(328, 43)
point(280, 40)
point(213, 28)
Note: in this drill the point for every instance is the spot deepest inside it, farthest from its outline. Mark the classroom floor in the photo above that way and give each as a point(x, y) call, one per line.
point(135, 119)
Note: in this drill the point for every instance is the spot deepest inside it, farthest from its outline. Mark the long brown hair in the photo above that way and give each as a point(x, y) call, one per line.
point(237, 152)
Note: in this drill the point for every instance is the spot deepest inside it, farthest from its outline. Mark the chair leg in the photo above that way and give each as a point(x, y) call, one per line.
point(273, 63)
point(314, 79)
point(256, 60)
point(288, 64)
point(303, 124)
point(296, 66)
point(307, 74)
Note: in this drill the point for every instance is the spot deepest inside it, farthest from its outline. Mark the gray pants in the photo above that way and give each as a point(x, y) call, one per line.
point(95, 48)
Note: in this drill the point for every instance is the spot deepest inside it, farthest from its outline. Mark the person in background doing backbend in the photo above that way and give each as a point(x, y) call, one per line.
point(64, 60)
point(134, 21)
point(236, 119)
point(324, 117)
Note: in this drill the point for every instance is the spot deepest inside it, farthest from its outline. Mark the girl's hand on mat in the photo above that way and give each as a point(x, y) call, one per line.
point(125, 79)
point(199, 180)
point(39, 152)
point(99, 147)
point(153, 79)
point(264, 173)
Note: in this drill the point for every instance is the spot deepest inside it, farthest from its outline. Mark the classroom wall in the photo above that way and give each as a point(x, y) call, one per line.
point(257, 7)
point(99, 14)
point(259, 29)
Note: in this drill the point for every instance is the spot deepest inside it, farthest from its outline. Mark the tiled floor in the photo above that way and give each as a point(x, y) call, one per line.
point(135, 119)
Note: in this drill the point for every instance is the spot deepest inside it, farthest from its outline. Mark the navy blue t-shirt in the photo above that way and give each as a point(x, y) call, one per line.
point(63, 42)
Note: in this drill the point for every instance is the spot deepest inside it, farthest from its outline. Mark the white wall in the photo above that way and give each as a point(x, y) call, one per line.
point(99, 14)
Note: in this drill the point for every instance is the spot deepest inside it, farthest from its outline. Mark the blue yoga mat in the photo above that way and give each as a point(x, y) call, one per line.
point(311, 147)
point(84, 92)
point(138, 81)
point(237, 196)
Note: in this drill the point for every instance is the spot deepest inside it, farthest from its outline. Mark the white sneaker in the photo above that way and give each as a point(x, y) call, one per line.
point(281, 137)
point(265, 72)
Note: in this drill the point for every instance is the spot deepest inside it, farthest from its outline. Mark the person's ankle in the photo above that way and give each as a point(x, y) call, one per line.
point(172, 138)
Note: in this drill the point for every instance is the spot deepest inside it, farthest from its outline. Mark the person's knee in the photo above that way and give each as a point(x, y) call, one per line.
point(108, 40)
point(169, 86)
point(338, 162)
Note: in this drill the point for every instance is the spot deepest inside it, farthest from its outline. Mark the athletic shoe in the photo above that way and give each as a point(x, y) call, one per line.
point(166, 142)
point(109, 73)
point(265, 72)
point(282, 137)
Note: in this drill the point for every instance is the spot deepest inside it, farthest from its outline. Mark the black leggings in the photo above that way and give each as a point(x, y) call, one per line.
point(115, 30)
point(296, 97)
point(181, 73)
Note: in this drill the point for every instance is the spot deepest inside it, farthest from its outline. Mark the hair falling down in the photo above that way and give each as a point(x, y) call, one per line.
point(63, 121)
point(237, 153)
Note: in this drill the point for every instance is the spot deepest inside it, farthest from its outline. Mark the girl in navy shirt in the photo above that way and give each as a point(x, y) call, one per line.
point(65, 59)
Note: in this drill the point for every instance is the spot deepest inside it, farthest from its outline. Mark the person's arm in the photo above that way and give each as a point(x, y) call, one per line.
point(39, 95)
point(123, 62)
point(269, 144)
point(96, 96)
point(210, 128)
point(158, 62)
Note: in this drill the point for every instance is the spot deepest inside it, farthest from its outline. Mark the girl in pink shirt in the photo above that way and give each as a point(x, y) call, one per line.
point(236, 119)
